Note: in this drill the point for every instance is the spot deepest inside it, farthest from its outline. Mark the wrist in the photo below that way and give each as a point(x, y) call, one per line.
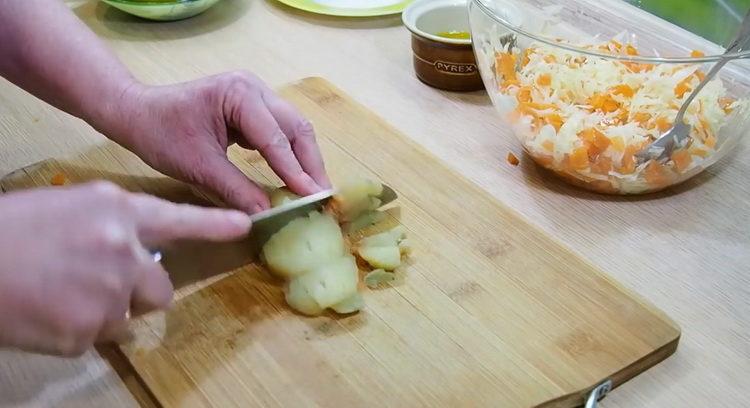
point(113, 114)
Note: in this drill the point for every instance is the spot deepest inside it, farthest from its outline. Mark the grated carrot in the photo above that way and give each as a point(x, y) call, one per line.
point(603, 102)
point(505, 64)
point(663, 124)
point(595, 141)
point(555, 120)
point(524, 94)
point(655, 175)
point(682, 87)
point(618, 144)
point(512, 159)
point(526, 56)
point(58, 179)
point(681, 159)
point(624, 90)
point(579, 158)
point(544, 80)
point(602, 165)
point(548, 145)
point(627, 165)
point(508, 83)
point(642, 117)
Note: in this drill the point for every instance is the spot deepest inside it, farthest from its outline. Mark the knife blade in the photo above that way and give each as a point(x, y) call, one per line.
point(188, 262)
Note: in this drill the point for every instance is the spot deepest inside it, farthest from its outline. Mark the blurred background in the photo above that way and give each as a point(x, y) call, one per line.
point(703, 17)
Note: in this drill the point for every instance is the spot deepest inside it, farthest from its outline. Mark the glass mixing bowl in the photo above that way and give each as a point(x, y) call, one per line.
point(586, 84)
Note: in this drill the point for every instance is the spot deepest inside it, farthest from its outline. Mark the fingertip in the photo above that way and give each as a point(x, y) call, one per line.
point(256, 209)
point(239, 219)
point(324, 182)
point(304, 185)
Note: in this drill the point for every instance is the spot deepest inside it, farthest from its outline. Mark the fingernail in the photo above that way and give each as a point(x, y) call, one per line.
point(257, 208)
point(239, 218)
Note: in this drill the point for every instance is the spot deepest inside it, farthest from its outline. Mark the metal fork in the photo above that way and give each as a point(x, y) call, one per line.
point(677, 136)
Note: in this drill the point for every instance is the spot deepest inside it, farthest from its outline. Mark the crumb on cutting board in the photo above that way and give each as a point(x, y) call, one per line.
point(58, 179)
point(512, 159)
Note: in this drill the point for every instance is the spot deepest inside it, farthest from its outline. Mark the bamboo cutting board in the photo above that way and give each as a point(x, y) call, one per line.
point(490, 311)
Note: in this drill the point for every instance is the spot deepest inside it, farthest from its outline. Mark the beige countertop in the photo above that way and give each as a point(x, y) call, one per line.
point(688, 252)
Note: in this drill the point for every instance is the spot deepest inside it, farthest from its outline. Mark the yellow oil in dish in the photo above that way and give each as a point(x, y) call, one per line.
point(459, 35)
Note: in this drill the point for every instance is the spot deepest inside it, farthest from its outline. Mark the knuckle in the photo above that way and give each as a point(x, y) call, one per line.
point(276, 140)
point(106, 189)
point(305, 129)
point(79, 332)
point(240, 78)
point(112, 284)
point(111, 236)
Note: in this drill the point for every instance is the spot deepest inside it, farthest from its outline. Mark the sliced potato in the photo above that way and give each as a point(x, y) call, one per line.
point(304, 244)
point(298, 297)
point(312, 254)
point(282, 195)
point(360, 190)
point(405, 247)
point(352, 304)
point(363, 221)
point(332, 282)
point(355, 198)
point(374, 203)
point(378, 277)
point(391, 237)
point(385, 257)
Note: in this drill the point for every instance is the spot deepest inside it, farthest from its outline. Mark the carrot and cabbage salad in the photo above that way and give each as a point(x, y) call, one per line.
point(586, 117)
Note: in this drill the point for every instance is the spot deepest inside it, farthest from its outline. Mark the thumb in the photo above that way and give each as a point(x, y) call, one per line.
point(222, 178)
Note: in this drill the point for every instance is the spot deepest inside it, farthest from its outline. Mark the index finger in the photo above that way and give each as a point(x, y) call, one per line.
point(160, 221)
point(260, 128)
point(301, 136)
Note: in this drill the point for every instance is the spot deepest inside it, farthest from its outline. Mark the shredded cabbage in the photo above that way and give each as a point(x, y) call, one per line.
point(586, 117)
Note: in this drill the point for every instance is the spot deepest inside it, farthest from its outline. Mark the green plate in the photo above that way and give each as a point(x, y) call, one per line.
point(162, 10)
point(321, 8)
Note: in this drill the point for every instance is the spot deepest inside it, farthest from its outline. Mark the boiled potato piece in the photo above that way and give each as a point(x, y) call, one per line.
point(365, 220)
point(405, 247)
point(378, 277)
point(356, 198)
point(375, 203)
point(281, 196)
point(391, 237)
point(385, 257)
point(332, 282)
point(352, 304)
point(303, 244)
point(360, 190)
point(298, 297)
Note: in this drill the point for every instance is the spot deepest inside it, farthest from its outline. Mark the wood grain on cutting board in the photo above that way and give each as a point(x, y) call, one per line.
point(490, 312)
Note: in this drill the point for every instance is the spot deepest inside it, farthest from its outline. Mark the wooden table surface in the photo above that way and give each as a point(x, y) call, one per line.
point(687, 251)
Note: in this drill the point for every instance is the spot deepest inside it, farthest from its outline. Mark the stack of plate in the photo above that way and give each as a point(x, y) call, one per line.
point(350, 8)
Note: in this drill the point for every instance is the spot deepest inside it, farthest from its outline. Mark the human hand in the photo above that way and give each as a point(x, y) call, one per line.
point(184, 130)
point(73, 261)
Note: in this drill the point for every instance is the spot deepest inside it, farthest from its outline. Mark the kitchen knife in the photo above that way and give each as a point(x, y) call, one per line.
point(191, 261)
